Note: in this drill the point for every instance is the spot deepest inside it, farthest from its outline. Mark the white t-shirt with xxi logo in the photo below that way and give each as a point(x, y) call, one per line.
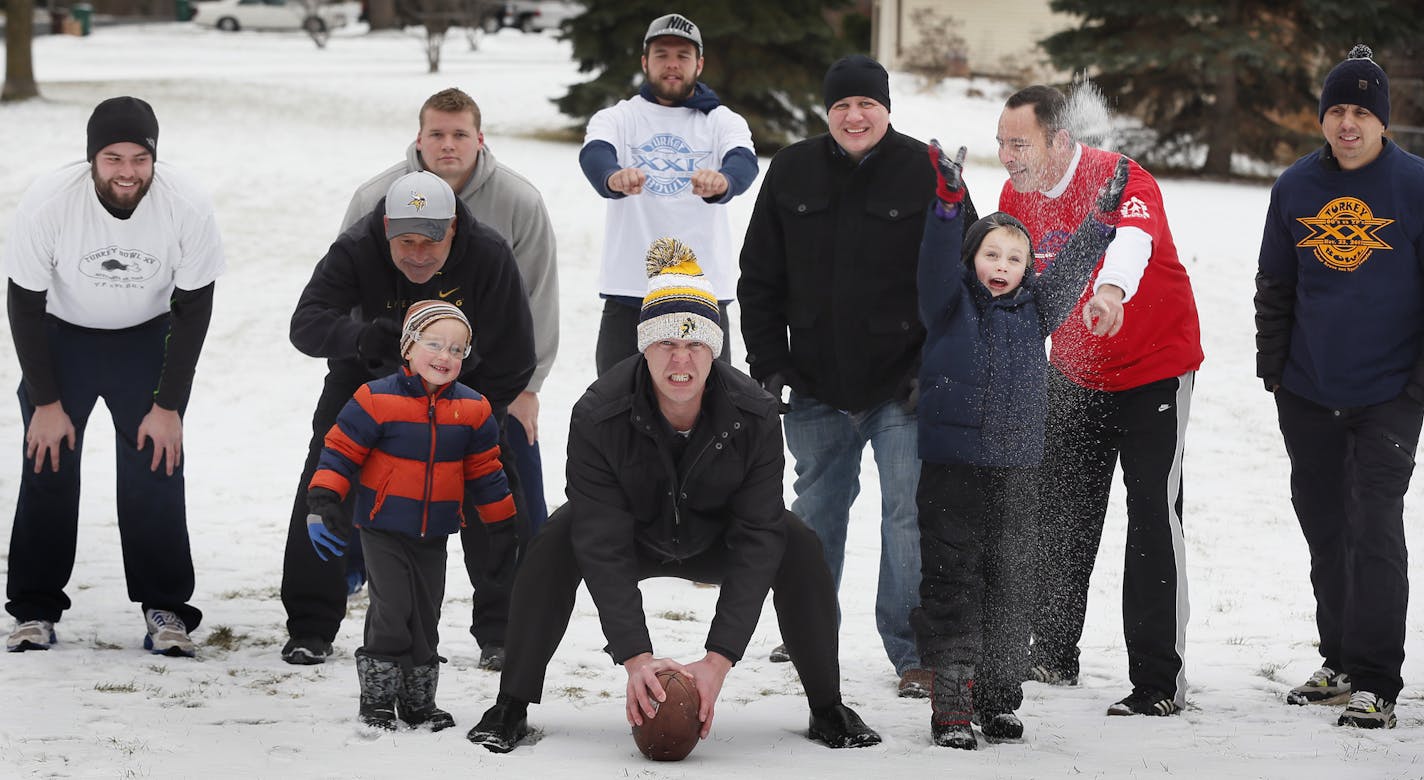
point(667, 144)
point(108, 273)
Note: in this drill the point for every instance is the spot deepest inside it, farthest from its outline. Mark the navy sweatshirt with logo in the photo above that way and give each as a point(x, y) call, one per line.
point(1340, 287)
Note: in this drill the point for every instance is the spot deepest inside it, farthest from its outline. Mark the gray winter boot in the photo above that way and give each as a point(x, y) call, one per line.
point(380, 684)
point(952, 705)
point(416, 700)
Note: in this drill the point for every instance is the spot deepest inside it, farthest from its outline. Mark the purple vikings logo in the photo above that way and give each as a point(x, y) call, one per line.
point(668, 162)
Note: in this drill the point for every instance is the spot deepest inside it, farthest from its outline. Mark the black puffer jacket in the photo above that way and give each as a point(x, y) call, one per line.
point(632, 499)
point(828, 269)
point(357, 282)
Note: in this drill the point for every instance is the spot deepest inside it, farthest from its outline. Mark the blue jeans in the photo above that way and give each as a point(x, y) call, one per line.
point(827, 445)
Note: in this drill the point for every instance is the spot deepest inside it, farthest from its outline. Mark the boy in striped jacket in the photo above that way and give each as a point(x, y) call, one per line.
point(405, 449)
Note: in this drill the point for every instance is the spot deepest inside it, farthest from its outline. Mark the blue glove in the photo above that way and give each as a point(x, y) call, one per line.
point(326, 525)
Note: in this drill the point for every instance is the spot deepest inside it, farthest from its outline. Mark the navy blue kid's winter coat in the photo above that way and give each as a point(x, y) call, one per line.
point(983, 372)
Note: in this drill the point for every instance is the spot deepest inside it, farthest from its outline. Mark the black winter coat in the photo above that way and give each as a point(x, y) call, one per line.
point(632, 499)
point(828, 270)
point(357, 282)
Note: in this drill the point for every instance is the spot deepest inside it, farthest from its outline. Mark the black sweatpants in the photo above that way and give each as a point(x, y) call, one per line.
point(406, 577)
point(1350, 469)
point(974, 576)
point(314, 591)
point(122, 367)
point(544, 590)
point(618, 334)
point(1087, 432)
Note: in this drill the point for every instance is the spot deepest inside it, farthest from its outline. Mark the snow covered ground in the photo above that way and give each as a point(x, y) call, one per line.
point(282, 133)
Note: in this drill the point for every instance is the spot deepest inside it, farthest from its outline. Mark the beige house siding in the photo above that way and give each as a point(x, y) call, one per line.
point(1001, 36)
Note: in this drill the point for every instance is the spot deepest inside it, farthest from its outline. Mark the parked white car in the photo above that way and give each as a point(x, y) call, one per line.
point(539, 15)
point(309, 15)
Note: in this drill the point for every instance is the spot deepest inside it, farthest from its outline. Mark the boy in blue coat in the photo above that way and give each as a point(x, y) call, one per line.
point(983, 380)
point(410, 446)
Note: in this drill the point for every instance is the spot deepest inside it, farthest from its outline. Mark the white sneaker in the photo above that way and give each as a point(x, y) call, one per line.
point(31, 635)
point(167, 635)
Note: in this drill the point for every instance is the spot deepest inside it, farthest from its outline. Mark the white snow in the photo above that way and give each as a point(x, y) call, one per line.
point(282, 133)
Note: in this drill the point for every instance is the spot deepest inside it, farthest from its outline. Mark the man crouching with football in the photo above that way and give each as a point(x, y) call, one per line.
point(674, 469)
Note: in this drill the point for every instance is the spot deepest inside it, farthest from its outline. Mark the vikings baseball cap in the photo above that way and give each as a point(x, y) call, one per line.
point(675, 25)
point(419, 202)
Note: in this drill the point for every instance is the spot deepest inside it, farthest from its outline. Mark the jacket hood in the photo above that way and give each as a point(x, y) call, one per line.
point(703, 98)
point(485, 165)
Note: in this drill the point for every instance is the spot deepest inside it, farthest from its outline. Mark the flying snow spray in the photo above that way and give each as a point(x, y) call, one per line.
point(1088, 117)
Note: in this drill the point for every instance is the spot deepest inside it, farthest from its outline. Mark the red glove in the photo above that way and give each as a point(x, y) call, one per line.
point(948, 173)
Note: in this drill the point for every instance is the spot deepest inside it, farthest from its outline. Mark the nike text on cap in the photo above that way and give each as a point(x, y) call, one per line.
point(676, 25)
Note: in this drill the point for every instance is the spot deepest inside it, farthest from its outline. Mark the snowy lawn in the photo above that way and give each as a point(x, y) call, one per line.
point(282, 133)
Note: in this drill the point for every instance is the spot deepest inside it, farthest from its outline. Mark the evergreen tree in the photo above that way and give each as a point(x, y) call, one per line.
point(764, 60)
point(1229, 75)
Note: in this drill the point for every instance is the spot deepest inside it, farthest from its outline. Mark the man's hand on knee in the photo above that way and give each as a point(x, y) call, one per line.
point(49, 427)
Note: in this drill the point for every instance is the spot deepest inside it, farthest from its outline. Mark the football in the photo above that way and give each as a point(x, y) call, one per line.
point(673, 732)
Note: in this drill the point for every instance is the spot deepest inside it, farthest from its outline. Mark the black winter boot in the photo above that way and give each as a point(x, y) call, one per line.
point(416, 700)
point(837, 726)
point(952, 707)
point(502, 726)
point(380, 684)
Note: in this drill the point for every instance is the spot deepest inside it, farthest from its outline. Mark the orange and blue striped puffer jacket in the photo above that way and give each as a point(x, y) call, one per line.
point(416, 454)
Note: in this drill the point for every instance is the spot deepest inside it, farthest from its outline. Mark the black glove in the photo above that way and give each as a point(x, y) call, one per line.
point(503, 553)
point(378, 346)
point(949, 174)
point(780, 380)
point(1110, 195)
point(911, 401)
point(328, 525)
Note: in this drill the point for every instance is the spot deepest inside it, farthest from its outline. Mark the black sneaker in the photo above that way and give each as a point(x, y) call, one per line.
point(999, 726)
point(502, 725)
point(492, 658)
point(1368, 711)
point(779, 654)
point(306, 651)
point(1050, 676)
point(1145, 701)
point(837, 726)
point(1325, 686)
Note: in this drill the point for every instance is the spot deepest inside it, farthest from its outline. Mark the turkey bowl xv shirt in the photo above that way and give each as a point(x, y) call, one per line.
point(107, 273)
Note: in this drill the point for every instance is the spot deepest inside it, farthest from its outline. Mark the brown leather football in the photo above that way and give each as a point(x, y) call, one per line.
point(673, 732)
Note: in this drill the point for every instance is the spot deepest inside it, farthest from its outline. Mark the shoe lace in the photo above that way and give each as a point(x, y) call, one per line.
point(1322, 678)
point(168, 622)
point(1363, 701)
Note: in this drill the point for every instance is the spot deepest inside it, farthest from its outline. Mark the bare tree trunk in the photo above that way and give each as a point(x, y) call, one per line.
point(381, 15)
point(434, 37)
point(1221, 130)
point(19, 63)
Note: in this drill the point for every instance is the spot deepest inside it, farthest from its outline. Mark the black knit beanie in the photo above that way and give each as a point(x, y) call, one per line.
point(121, 119)
point(857, 74)
point(1357, 81)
